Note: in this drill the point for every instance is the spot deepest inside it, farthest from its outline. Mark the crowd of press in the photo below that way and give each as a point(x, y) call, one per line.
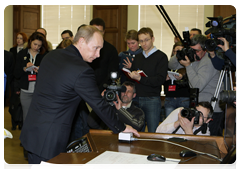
point(190, 77)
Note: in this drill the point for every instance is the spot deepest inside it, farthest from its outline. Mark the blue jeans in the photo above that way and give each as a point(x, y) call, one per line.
point(172, 103)
point(151, 106)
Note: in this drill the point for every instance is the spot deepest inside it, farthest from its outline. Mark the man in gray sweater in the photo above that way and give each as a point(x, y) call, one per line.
point(202, 75)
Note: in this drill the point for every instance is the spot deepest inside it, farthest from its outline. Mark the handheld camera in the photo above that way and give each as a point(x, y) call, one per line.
point(113, 89)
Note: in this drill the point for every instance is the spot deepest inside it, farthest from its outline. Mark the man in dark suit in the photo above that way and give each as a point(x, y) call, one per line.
point(103, 66)
point(108, 61)
point(64, 79)
point(8, 70)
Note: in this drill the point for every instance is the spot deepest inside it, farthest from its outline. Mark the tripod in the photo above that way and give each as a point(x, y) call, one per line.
point(224, 72)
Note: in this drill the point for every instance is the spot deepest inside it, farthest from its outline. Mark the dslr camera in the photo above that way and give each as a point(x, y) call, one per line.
point(217, 30)
point(189, 113)
point(186, 51)
point(113, 89)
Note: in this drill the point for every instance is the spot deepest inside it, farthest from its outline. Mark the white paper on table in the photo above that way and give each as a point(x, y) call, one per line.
point(110, 157)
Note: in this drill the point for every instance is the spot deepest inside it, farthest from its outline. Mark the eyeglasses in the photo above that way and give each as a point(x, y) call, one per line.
point(197, 50)
point(141, 41)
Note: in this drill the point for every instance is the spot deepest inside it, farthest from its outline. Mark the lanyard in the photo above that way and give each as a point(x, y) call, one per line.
point(31, 59)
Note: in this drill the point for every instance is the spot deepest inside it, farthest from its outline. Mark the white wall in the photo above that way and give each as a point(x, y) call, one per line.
point(8, 27)
point(132, 17)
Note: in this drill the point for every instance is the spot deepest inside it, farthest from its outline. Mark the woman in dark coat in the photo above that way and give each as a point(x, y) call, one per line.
point(27, 65)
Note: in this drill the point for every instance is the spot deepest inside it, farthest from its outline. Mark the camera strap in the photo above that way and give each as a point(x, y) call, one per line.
point(203, 128)
point(176, 129)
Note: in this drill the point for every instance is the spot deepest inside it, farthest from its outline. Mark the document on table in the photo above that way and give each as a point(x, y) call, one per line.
point(46, 165)
point(110, 157)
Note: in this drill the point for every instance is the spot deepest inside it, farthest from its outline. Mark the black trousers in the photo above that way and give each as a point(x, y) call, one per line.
point(35, 159)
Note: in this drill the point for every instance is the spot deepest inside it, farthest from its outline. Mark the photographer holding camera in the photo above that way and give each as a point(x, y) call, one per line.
point(188, 121)
point(201, 74)
point(126, 111)
point(219, 63)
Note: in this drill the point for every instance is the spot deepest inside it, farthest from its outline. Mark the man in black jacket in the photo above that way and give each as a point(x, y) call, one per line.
point(155, 64)
point(127, 112)
point(64, 79)
point(108, 61)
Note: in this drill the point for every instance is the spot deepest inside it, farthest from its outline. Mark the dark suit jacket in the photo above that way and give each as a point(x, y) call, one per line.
point(63, 81)
point(22, 59)
point(8, 69)
point(14, 51)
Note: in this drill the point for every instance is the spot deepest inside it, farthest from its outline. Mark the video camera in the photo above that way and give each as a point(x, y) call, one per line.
point(113, 89)
point(217, 30)
point(189, 113)
point(186, 51)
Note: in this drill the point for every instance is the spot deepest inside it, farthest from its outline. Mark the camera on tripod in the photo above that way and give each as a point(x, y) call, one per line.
point(186, 51)
point(217, 30)
point(228, 96)
point(113, 89)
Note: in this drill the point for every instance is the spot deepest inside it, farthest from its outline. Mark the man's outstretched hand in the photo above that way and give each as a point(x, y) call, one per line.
point(130, 129)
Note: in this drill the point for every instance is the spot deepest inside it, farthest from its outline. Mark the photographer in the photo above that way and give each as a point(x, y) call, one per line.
point(219, 63)
point(175, 119)
point(177, 91)
point(126, 111)
point(201, 74)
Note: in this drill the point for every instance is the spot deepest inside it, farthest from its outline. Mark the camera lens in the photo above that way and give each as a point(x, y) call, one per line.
point(110, 96)
point(210, 44)
point(184, 113)
point(228, 96)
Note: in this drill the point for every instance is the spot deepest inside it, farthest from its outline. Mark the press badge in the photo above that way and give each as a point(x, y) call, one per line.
point(32, 77)
point(172, 88)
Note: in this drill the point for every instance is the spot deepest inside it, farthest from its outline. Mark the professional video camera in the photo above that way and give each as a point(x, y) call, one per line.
point(113, 89)
point(228, 96)
point(186, 51)
point(217, 30)
point(189, 113)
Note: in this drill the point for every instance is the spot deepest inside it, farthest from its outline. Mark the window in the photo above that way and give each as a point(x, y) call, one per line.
point(57, 18)
point(191, 16)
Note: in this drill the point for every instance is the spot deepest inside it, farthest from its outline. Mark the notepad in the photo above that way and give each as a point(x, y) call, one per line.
point(31, 68)
point(126, 71)
point(172, 74)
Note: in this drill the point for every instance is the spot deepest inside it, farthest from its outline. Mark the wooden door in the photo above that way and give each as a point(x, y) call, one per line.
point(224, 10)
point(26, 18)
point(115, 18)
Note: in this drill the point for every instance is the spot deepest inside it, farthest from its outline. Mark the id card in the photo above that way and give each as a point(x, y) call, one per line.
point(172, 88)
point(32, 77)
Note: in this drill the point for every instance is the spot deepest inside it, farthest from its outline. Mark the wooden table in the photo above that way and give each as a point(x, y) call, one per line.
point(102, 140)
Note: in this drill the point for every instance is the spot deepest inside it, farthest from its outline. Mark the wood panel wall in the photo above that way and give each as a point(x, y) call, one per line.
point(26, 18)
